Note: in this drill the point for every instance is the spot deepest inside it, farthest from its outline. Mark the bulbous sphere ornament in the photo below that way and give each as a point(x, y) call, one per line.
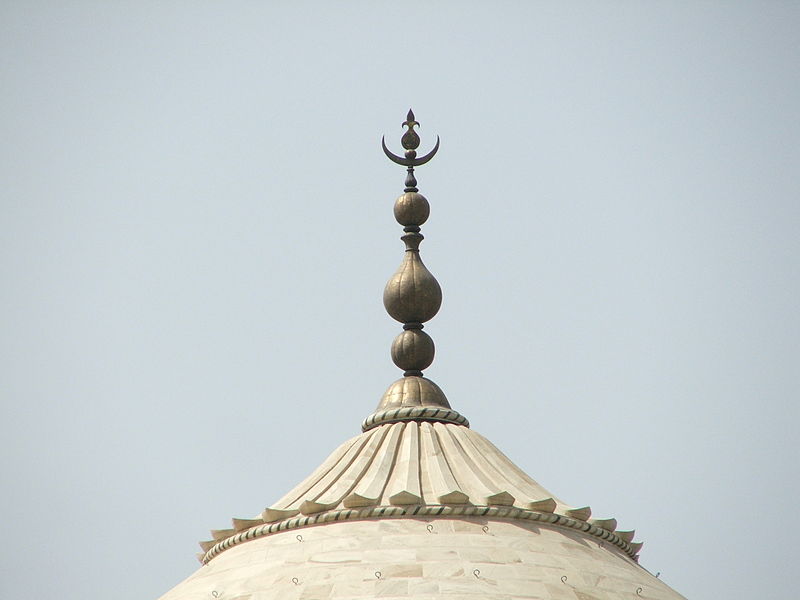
point(412, 295)
point(413, 350)
point(411, 208)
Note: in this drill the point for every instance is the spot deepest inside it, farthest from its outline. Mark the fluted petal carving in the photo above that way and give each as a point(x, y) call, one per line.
point(358, 501)
point(271, 515)
point(404, 499)
point(500, 499)
point(582, 514)
point(418, 465)
point(413, 462)
point(626, 535)
point(544, 505)
point(221, 534)
point(311, 507)
point(242, 524)
point(607, 524)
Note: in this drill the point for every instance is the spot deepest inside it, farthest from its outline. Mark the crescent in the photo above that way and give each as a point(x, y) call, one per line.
point(409, 162)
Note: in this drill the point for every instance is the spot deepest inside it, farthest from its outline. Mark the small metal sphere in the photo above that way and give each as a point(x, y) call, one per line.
point(413, 350)
point(411, 208)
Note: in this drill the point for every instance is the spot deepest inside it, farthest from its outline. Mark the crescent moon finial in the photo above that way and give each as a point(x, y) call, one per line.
point(410, 142)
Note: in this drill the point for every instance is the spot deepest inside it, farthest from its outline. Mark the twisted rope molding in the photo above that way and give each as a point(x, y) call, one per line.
point(377, 512)
point(414, 413)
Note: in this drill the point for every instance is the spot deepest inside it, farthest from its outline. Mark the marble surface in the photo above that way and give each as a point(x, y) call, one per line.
point(432, 558)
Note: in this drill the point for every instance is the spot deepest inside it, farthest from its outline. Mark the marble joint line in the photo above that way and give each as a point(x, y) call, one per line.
point(383, 512)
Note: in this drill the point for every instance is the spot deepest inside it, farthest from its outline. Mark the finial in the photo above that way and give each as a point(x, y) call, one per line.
point(412, 296)
point(410, 141)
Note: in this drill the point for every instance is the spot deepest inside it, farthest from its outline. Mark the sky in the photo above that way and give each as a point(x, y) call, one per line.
point(196, 227)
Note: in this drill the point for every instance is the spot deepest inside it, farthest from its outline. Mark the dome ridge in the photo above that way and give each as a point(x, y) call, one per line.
point(416, 468)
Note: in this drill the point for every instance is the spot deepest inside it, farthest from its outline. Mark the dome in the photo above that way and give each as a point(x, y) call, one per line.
point(419, 505)
point(421, 509)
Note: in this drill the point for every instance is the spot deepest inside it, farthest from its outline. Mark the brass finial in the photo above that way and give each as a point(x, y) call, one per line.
point(412, 296)
point(410, 141)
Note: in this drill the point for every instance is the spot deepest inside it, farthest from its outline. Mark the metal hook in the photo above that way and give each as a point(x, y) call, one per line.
point(295, 581)
point(429, 528)
point(378, 574)
point(299, 537)
point(485, 529)
point(215, 593)
point(477, 573)
point(638, 591)
point(563, 579)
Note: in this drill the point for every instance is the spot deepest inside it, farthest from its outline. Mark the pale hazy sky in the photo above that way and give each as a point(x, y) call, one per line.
point(196, 227)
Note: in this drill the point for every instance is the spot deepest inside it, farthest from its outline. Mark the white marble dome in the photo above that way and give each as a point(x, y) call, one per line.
point(419, 509)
